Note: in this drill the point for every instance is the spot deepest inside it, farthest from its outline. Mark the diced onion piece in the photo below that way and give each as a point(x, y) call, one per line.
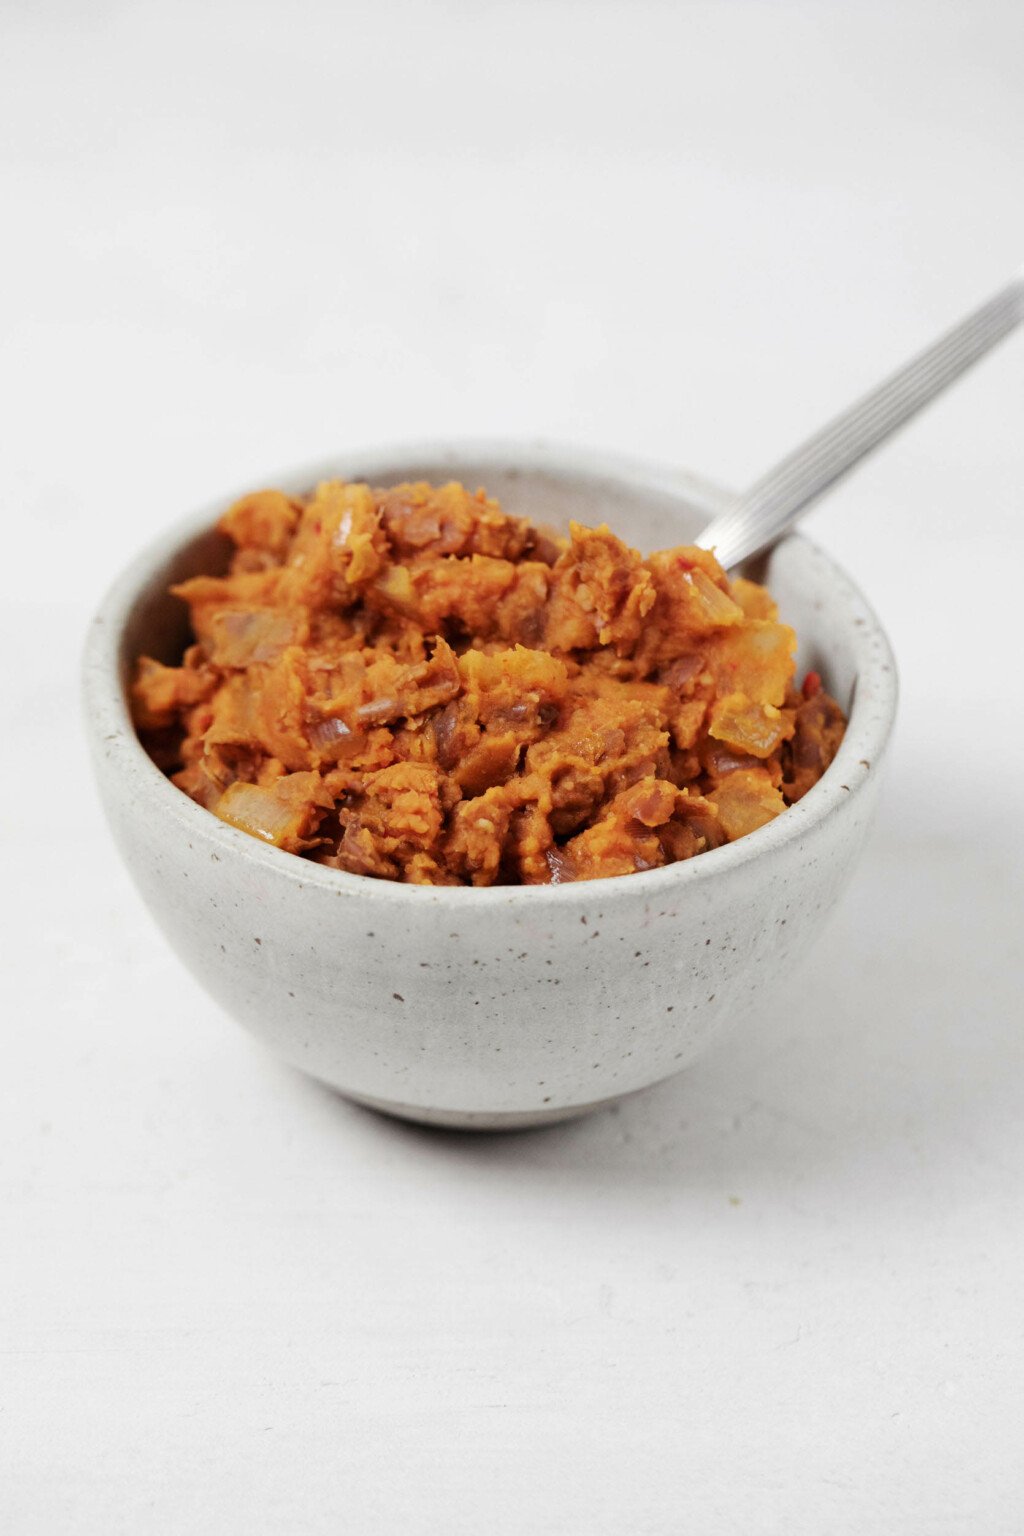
point(560, 865)
point(719, 760)
point(748, 726)
point(279, 813)
point(375, 711)
point(710, 604)
point(746, 800)
point(238, 637)
point(755, 658)
point(326, 734)
point(682, 671)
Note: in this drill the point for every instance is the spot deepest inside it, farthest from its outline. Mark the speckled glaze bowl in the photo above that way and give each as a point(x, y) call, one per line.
point(508, 1006)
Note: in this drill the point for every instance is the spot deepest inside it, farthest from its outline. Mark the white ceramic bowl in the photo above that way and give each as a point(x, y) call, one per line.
point(512, 1005)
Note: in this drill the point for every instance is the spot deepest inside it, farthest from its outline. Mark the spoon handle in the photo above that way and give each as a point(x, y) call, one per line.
point(760, 515)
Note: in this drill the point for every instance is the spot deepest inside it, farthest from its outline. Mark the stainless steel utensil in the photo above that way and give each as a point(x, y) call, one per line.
point(762, 514)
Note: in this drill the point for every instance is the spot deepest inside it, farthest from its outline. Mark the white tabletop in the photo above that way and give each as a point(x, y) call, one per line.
point(782, 1293)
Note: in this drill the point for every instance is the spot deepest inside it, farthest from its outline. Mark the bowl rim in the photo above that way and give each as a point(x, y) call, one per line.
point(109, 725)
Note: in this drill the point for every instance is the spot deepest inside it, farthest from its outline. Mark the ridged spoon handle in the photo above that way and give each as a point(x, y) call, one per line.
point(760, 515)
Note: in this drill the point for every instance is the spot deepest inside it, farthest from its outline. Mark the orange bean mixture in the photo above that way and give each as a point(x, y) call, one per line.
point(413, 685)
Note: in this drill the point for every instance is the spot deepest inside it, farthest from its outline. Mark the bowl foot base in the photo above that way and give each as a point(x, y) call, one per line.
point(479, 1120)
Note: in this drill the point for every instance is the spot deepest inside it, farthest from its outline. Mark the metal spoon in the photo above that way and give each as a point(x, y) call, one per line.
point(762, 514)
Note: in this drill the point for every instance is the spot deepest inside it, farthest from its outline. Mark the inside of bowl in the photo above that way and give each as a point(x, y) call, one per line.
point(650, 512)
point(653, 516)
point(158, 622)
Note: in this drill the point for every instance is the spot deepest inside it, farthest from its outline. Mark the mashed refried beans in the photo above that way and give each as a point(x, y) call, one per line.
point(414, 685)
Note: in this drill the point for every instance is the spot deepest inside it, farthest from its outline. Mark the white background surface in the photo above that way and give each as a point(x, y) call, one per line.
point(782, 1293)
